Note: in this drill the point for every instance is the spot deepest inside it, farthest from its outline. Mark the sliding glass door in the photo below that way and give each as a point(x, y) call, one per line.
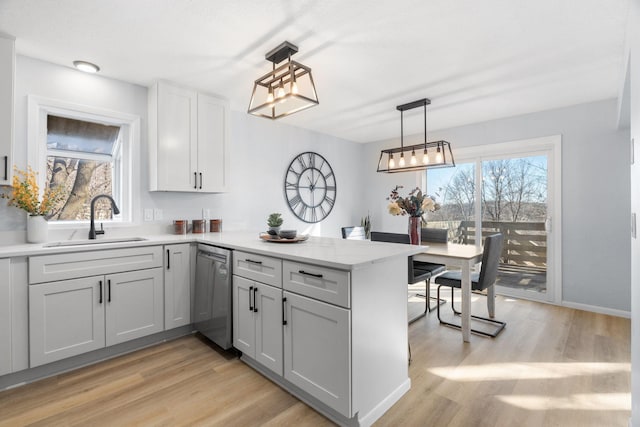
point(518, 198)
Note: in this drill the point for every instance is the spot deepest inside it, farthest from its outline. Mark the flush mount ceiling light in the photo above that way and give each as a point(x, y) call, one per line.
point(435, 154)
point(85, 66)
point(285, 90)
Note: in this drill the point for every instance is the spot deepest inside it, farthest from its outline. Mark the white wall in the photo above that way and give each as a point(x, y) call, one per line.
point(595, 193)
point(633, 37)
point(260, 153)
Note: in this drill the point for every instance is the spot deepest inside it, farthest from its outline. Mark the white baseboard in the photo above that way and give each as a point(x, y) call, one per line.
point(597, 309)
point(386, 404)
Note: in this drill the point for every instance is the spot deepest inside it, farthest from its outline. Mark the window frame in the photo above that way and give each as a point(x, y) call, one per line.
point(38, 110)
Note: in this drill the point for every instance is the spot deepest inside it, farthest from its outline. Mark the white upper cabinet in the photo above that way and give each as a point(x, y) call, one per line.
point(188, 140)
point(7, 74)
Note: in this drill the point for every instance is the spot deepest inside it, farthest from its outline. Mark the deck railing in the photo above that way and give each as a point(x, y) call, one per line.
point(525, 243)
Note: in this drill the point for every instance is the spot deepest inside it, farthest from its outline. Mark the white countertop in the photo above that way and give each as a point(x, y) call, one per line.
point(326, 251)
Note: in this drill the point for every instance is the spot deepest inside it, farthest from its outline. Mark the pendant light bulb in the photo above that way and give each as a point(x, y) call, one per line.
point(280, 91)
point(294, 86)
point(425, 157)
point(392, 163)
point(413, 157)
point(270, 96)
point(438, 155)
point(401, 162)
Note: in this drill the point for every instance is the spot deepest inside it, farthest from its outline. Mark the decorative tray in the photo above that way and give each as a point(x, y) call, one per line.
point(276, 239)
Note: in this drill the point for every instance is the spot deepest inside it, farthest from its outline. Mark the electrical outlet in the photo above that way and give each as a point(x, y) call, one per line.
point(157, 214)
point(148, 214)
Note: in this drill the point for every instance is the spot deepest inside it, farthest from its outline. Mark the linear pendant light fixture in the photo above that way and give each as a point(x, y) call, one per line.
point(435, 154)
point(285, 90)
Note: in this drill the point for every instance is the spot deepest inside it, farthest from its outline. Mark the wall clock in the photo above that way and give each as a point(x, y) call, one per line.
point(310, 187)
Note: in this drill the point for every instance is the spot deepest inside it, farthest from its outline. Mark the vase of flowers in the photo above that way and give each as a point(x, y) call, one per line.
point(25, 194)
point(415, 204)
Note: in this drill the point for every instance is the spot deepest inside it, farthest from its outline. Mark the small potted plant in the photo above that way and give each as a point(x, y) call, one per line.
point(274, 222)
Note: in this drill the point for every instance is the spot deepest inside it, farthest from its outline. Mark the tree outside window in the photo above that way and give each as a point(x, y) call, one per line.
point(84, 158)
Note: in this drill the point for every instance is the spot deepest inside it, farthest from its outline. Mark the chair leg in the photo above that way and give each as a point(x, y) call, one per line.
point(493, 334)
point(426, 306)
point(428, 297)
point(453, 307)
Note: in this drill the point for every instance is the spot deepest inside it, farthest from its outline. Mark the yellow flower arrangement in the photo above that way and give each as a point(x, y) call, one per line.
point(25, 193)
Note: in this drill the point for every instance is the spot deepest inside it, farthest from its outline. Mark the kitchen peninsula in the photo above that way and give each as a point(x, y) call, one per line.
point(340, 311)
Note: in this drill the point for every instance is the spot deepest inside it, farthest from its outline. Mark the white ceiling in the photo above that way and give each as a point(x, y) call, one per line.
point(476, 60)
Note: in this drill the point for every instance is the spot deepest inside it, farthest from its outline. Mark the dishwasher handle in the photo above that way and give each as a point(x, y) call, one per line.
point(210, 255)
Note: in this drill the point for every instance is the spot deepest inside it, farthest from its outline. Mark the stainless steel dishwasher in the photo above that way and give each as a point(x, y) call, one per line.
point(213, 294)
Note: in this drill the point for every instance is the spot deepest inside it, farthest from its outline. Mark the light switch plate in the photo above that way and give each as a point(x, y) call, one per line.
point(148, 214)
point(157, 214)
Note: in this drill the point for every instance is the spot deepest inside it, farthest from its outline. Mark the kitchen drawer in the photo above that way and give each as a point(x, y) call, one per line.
point(50, 268)
point(258, 267)
point(321, 283)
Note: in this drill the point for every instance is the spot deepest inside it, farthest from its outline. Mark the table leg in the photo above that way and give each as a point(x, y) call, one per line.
point(466, 301)
point(491, 301)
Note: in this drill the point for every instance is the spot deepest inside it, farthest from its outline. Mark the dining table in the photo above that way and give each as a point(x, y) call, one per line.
point(465, 257)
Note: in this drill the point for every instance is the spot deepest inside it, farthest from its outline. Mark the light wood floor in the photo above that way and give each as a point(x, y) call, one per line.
point(551, 366)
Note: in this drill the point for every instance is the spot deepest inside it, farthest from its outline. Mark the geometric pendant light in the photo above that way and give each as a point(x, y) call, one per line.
point(286, 89)
point(427, 155)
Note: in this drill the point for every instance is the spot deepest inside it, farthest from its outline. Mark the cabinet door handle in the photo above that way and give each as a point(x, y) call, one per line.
point(319, 276)
point(253, 262)
point(100, 296)
point(250, 292)
point(195, 180)
point(108, 290)
point(168, 260)
point(6, 168)
point(255, 301)
point(201, 180)
point(284, 319)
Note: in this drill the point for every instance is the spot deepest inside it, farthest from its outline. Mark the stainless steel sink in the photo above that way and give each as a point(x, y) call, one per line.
point(93, 242)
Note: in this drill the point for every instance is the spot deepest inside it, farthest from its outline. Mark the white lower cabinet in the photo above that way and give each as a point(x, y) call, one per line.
point(257, 322)
point(71, 317)
point(5, 317)
point(297, 331)
point(177, 285)
point(66, 318)
point(135, 305)
point(317, 350)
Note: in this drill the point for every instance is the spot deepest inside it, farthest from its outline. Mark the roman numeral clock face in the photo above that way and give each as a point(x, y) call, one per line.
point(310, 187)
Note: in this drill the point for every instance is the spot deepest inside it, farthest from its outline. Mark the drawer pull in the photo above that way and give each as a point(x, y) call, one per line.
point(250, 292)
point(319, 276)
point(255, 303)
point(100, 297)
point(253, 262)
point(284, 319)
